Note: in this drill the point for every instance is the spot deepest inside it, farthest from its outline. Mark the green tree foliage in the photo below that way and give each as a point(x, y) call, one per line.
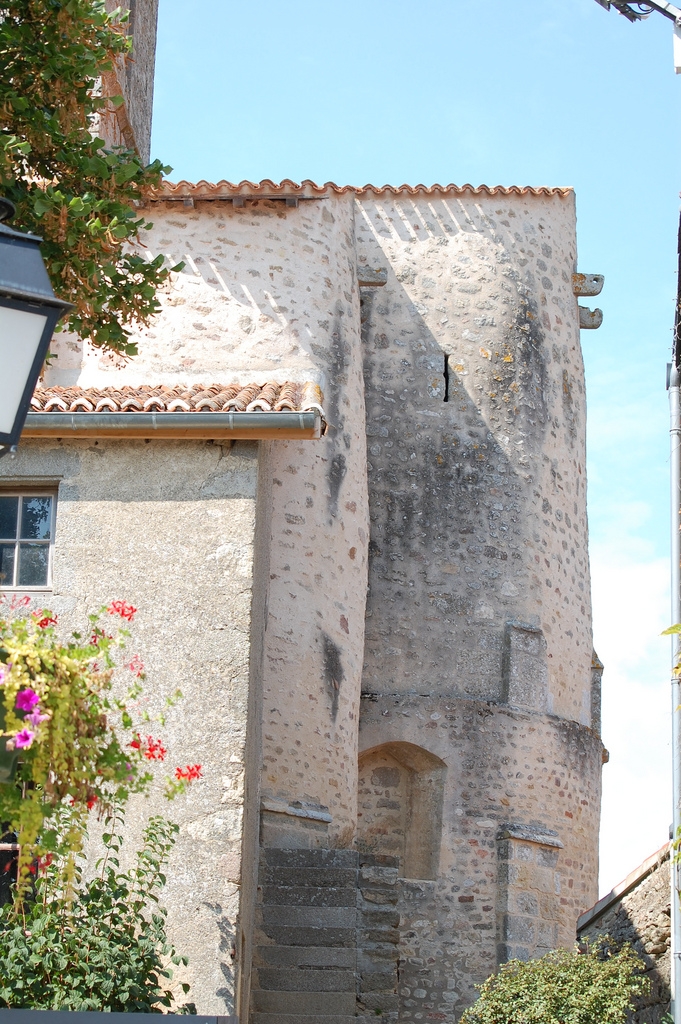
point(67, 187)
point(564, 987)
point(100, 947)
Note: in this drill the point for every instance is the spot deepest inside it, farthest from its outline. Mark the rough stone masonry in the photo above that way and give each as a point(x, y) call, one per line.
point(392, 623)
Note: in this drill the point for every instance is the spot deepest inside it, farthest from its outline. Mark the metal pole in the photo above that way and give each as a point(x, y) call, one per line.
point(675, 443)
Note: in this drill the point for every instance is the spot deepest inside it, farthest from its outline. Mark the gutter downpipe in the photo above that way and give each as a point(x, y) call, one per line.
point(675, 444)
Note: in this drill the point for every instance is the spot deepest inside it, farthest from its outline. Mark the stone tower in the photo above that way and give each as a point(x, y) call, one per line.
point(480, 760)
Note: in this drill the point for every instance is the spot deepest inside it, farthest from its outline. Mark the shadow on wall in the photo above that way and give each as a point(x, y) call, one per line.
point(400, 791)
point(449, 478)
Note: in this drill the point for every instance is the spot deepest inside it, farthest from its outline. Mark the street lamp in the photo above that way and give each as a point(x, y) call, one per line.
point(29, 311)
point(639, 11)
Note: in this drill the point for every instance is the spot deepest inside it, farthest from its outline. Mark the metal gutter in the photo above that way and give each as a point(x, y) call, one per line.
point(192, 425)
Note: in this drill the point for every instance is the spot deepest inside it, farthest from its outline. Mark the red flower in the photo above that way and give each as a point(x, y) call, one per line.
point(98, 635)
point(152, 749)
point(92, 800)
point(155, 750)
point(126, 611)
point(188, 774)
point(46, 621)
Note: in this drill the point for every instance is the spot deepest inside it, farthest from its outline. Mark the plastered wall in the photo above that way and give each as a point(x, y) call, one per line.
point(168, 527)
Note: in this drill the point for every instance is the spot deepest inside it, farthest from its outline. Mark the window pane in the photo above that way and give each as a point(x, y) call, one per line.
point(36, 515)
point(33, 560)
point(6, 565)
point(8, 518)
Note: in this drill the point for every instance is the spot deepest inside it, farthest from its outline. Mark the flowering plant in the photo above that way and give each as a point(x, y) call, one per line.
point(68, 738)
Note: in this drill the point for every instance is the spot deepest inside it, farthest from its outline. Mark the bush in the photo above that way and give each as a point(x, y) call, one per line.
point(564, 987)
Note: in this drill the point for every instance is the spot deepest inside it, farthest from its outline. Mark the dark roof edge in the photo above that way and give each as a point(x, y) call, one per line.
point(633, 879)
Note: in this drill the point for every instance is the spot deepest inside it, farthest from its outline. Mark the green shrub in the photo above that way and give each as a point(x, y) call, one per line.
point(564, 987)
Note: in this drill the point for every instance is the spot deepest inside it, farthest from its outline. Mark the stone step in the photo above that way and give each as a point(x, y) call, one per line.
point(295, 979)
point(275, 915)
point(295, 1018)
point(304, 1003)
point(306, 956)
point(282, 936)
point(317, 877)
point(378, 981)
point(378, 860)
point(308, 896)
point(309, 858)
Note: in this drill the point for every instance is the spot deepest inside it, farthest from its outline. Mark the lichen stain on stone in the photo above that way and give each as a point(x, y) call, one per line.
point(333, 671)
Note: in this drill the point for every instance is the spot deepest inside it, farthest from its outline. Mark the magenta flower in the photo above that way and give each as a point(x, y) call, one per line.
point(23, 738)
point(27, 699)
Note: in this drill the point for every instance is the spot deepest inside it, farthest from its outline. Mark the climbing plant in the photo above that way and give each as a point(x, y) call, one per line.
point(56, 58)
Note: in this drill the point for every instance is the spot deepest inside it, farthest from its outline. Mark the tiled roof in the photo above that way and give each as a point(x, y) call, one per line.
point(308, 189)
point(270, 397)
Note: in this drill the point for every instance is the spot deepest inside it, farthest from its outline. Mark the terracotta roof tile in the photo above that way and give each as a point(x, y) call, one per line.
point(269, 397)
point(308, 189)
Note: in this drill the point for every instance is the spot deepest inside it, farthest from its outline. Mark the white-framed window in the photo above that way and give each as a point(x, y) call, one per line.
point(26, 539)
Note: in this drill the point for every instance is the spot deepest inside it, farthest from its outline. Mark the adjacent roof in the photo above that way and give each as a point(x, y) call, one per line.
point(308, 189)
point(633, 879)
point(269, 397)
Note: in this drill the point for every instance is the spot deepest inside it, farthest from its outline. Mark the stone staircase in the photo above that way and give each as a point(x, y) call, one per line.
point(306, 934)
point(377, 937)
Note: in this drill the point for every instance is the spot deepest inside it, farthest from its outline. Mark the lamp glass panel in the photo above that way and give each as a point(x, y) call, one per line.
point(20, 334)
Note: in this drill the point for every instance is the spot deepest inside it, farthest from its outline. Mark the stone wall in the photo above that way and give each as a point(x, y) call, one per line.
point(444, 333)
point(478, 644)
point(169, 528)
point(476, 432)
point(508, 890)
point(638, 911)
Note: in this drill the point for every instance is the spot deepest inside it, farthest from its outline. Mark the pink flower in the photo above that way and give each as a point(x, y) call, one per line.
point(136, 665)
point(35, 717)
point(3, 673)
point(23, 738)
point(27, 699)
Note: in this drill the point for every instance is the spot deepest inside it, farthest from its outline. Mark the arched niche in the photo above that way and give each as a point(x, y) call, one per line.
point(400, 793)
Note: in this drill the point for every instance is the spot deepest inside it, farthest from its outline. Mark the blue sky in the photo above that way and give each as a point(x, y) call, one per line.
point(531, 92)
